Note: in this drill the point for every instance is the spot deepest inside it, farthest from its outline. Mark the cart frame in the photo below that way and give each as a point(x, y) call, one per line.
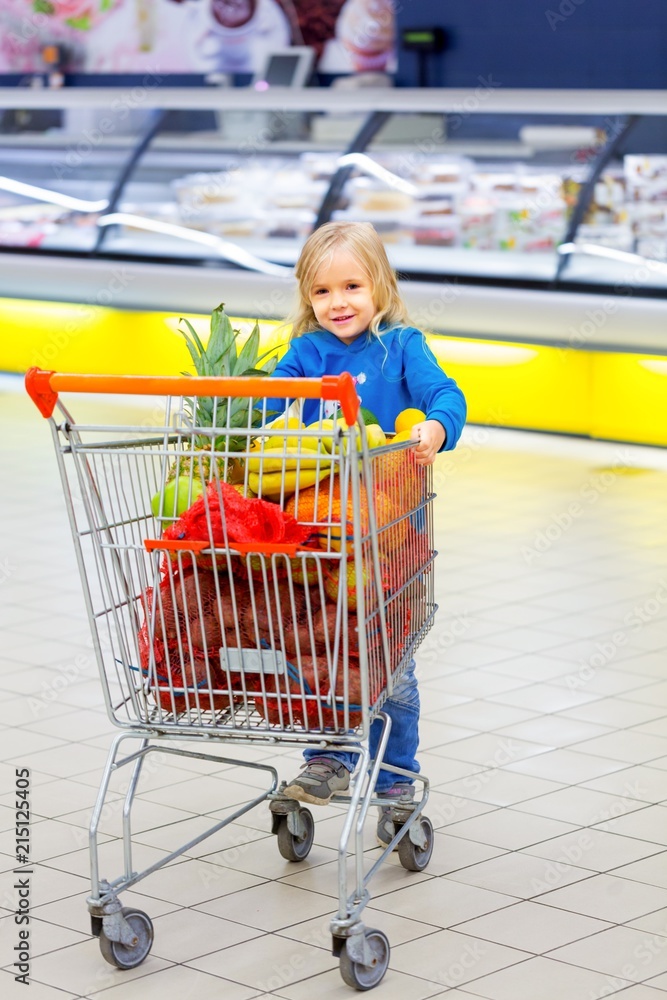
point(116, 545)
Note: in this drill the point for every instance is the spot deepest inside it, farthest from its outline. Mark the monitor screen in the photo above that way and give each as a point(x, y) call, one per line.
point(281, 69)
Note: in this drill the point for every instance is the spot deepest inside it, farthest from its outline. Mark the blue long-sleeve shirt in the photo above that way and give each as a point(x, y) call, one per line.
point(392, 372)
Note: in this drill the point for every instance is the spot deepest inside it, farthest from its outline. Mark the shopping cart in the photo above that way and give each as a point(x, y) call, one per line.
point(252, 581)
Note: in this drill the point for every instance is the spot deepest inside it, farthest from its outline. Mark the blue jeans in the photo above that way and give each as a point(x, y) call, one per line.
point(403, 710)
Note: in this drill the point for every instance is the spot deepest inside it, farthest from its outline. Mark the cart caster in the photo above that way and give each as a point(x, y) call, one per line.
point(121, 955)
point(415, 857)
point(362, 976)
point(295, 846)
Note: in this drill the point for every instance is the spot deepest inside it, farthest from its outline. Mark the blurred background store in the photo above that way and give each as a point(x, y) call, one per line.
point(158, 157)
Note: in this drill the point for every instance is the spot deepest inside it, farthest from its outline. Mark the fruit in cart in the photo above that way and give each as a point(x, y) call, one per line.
point(301, 696)
point(177, 496)
point(325, 507)
point(405, 435)
point(407, 419)
point(397, 474)
point(323, 432)
point(375, 436)
point(285, 433)
point(277, 484)
point(276, 617)
point(221, 357)
point(288, 458)
point(304, 571)
point(332, 583)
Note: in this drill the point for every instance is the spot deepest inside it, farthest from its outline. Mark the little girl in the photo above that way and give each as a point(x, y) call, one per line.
point(350, 317)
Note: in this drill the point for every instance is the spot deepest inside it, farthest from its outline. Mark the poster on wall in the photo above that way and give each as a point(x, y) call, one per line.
point(195, 36)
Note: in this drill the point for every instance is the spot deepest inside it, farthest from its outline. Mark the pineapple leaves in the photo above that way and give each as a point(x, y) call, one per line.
point(221, 357)
point(196, 349)
point(248, 354)
point(221, 349)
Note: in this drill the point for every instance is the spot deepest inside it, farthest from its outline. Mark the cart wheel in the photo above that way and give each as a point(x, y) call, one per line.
point(365, 977)
point(296, 848)
point(118, 954)
point(412, 857)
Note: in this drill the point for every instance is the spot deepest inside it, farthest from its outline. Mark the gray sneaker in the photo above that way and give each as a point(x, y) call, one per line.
point(400, 796)
point(319, 780)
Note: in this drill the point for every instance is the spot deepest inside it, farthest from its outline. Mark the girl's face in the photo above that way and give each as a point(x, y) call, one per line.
point(342, 297)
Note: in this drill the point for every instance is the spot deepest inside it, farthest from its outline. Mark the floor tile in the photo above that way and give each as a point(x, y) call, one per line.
point(509, 829)
point(531, 926)
point(595, 849)
point(82, 969)
point(576, 804)
point(270, 906)
point(442, 901)
point(243, 923)
point(622, 952)
point(177, 981)
point(453, 958)
point(567, 766)
point(330, 986)
point(608, 897)
point(651, 870)
point(649, 823)
point(518, 874)
point(266, 964)
point(529, 978)
point(499, 787)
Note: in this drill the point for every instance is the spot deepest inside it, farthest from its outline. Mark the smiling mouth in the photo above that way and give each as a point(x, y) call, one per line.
point(342, 319)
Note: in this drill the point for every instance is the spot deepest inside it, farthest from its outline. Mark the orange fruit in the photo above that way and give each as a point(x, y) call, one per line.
point(407, 419)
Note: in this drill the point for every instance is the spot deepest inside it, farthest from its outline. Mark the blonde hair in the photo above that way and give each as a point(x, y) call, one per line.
point(363, 243)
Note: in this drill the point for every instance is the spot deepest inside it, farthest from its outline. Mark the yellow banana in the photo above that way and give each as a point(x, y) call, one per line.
point(277, 459)
point(272, 484)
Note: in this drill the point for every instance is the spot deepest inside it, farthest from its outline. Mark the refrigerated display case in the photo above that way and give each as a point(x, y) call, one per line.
point(513, 217)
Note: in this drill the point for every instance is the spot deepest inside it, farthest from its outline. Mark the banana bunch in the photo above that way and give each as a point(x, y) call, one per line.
point(276, 471)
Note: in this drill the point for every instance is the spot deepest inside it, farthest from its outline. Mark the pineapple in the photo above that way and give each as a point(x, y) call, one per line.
point(220, 357)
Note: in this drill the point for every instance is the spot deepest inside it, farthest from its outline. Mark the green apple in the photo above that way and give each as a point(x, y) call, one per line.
point(179, 494)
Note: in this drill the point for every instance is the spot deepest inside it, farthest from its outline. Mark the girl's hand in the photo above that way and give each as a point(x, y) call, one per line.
point(431, 436)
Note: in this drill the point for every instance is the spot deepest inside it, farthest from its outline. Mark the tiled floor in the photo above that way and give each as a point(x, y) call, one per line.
point(544, 733)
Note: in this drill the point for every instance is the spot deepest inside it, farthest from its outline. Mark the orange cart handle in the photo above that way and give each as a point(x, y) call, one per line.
point(43, 387)
point(243, 548)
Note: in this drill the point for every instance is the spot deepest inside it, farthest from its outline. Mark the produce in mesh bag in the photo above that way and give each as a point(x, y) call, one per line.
point(278, 618)
point(191, 614)
point(301, 695)
point(188, 678)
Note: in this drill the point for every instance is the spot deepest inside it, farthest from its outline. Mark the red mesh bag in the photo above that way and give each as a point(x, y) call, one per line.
point(246, 520)
point(289, 703)
point(187, 680)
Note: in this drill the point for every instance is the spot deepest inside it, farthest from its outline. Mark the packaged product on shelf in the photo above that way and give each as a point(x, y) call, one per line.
point(371, 195)
point(476, 217)
point(648, 219)
point(653, 247)
point(616, 237)
point(448, 171)
point(646, 177)
point(200, 189)
point(437, 200)
point(319, 166)
point(294, 188)
point(392, 227)
point(444, 231)
point(288, 223)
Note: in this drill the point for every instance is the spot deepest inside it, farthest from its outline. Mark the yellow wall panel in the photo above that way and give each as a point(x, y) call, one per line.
point(629, 397)
point(602, 394)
